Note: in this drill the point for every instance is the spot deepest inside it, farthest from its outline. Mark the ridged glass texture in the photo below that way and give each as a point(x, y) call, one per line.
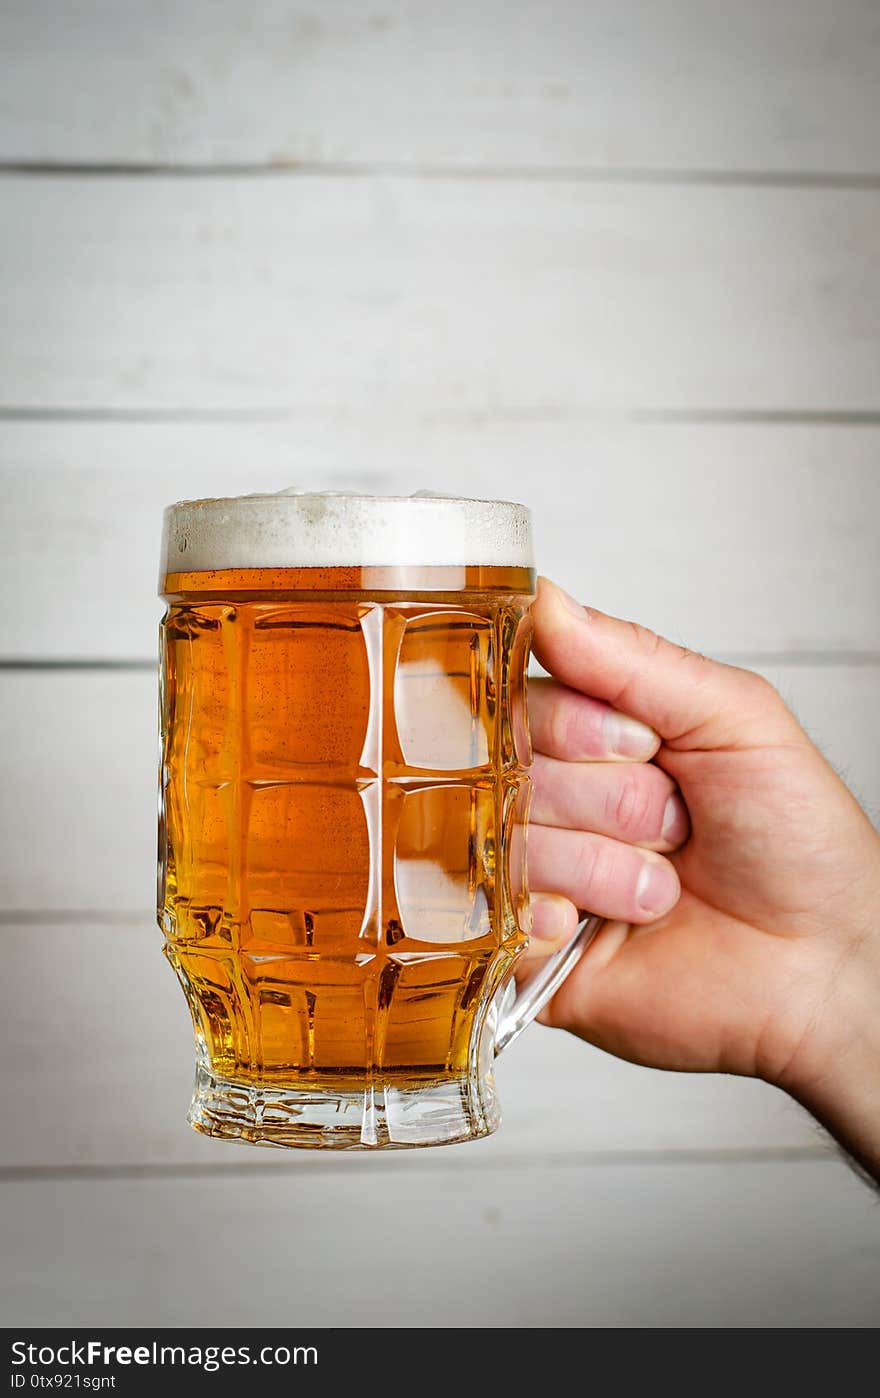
point(342, 886)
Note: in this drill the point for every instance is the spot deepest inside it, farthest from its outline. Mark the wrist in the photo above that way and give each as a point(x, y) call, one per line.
point(835, 1069)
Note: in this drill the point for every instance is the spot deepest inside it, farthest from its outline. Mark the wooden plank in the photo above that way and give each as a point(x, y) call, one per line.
point(608, 84)
point(442, 298)
point(437, 1241)
point(96, 1039)
point(729, 537)
point(79, 772)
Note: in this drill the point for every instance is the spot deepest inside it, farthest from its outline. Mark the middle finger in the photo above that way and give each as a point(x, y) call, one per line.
point(630, 801)
point(565, 723)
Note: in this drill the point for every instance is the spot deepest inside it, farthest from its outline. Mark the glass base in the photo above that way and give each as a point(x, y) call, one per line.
point(382, 1115)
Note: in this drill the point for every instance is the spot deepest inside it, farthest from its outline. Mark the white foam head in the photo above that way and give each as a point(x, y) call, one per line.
point(327, 530)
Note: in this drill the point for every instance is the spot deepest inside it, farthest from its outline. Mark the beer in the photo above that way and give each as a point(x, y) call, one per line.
point(344, 795)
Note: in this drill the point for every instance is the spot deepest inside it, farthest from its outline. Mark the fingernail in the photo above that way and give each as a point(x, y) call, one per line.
point(627, 737)
point(657, 888)
point(575, 607)
point(549, 916)
point(675, 821)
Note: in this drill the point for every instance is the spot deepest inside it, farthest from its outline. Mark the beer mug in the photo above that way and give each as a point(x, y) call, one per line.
point(344, 792)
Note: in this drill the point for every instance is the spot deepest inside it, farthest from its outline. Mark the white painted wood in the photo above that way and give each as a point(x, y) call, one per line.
point(730, 538)
point(79, 768)
point(79, 776)
point(98, 1058)
point(439, 1241)
point(441, 298)
point(586, 83)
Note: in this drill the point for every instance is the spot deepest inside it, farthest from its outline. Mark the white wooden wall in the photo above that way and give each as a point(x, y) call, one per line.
point(613, 258)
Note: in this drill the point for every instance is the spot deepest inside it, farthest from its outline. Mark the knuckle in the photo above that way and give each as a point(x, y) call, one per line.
point(595, 867)
point(584, 863)
point(695, 658)
point(764, 689)
point(606, 873)
point(648, 641)
point(759, 691)
point(628, 806)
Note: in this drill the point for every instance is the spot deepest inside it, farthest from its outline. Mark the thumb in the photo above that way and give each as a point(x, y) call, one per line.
point(690, 701)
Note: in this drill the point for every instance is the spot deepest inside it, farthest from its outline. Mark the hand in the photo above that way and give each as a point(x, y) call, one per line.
point(681, 799)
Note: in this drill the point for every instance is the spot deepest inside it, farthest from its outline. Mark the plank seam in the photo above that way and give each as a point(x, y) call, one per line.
point(141, 918)
point(809, 417)
point(576, 174)
point(755, 1155)
point(65, 663)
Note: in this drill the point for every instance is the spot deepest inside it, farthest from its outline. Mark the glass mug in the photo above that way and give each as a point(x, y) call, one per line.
point(344, 792)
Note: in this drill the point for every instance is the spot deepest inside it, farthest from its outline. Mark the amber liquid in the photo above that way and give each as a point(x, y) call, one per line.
point(344, 796)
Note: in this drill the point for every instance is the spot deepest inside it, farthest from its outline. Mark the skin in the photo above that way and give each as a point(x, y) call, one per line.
point(681, 799)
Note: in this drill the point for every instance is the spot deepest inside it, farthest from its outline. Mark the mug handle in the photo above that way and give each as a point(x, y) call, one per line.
point(531, 1000)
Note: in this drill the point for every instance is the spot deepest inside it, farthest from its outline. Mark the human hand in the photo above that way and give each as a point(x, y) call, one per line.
point(750, 945)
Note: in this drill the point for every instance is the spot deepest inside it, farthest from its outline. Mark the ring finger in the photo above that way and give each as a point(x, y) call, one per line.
point(608, 877)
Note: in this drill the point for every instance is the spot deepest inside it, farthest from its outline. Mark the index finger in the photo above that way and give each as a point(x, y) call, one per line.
point(689, 700)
